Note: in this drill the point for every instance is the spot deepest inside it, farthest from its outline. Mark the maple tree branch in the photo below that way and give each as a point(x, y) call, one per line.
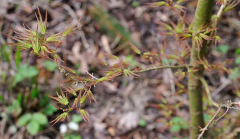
point(160, 67)
point(208, 92)
point(228, 105)
point(210, 121)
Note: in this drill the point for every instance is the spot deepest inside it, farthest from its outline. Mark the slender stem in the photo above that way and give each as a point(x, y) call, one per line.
point(219, 17)
point(202, 18)
point(206, 127)
point(228, 105)
point(161, 67)
point(195, 86)
point(208, 92)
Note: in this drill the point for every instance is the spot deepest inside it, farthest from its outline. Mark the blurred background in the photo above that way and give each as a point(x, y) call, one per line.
point(149, 107)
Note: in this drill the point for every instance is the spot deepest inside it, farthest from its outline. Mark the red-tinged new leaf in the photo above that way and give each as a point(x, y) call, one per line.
point(84, 115)
point(166, 26)
point(70, 90)
point(179, 92)
point(135, 49)
point(227, 70)
point(205, 37)
point(62, 99)
point(157, 4)
point(128, 73)
point(185, 53)
point(172, 57)
point(91, 96)
point(181, 1)
point(43, 26)
point(181, 8)
point(70, 29)
point(111, 56)
point(61, 117)
point(218, 40)
point(102, 62)
point(83, 98)
point(163, 100)
point(59, 108)
point(75, 102)
point(57, 59)
point(165, 33)
point(78, 89)
point(192, 70)
point(232, 4)
point(163, 47)
point(184, 36)
point(68, 69)
point(179, 85)
point(54, 38)
point(151, 59)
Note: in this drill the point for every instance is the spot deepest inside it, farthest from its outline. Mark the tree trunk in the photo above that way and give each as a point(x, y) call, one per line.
point(202, 17)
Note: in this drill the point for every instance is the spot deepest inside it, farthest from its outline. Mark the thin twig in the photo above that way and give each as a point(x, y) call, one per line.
point(208, 92)
point(206, 127)
point(93, 77)
point(222, 115)
point(228, 105)
point(234, 133)
point(161, 67)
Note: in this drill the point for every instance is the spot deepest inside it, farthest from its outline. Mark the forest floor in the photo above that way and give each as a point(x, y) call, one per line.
point(147, 107)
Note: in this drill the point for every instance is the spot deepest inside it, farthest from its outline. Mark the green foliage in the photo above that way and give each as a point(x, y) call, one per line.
point(235, 73)
point(49, 110)
point(237, 52)
point(40, 118)
point(61, 117)
point(15, 109)
point(24, 71)
point(33, 127)
point(33, 121)
point(4, 77)
point(207, 117)
point(72, 137)
point(237, 60)
point(18, 58)
point(76, 118)
point(142, 123)
point(1, 99)
point(135, 4)
point(38, 44)
point(62, 99)
point(222, 48)
point(19, 98)
point(50, 65)
point(4, 53)
point(24, 119)
point(45, 100)
point(34, 92)
point(131, 60)
point(177, 124)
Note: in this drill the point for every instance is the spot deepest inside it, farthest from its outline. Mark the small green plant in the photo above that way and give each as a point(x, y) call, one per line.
point(222, 48)
point(15, 108)
point(142, 123)
point(202, 32)
point(50, 65)
point(24, 71)
point(33, 122)
point(177, 123)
